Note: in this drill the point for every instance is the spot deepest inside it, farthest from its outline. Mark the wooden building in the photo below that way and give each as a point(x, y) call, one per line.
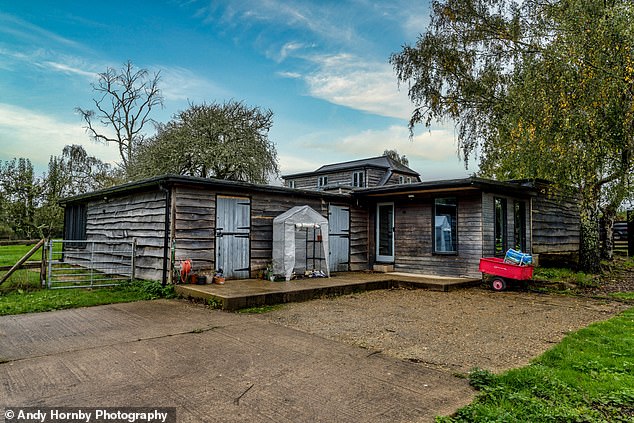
point(434, 228)
point(215, 223)
point(445, 227)
point(364, 173)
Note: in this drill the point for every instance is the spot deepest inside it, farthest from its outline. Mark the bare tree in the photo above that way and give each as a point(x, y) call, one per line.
point(123, 102)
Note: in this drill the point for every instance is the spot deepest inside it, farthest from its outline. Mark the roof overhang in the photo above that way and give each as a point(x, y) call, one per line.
point(447, 186)
point(165, 181)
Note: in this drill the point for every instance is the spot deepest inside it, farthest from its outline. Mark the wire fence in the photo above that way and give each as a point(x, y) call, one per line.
point(88, 264)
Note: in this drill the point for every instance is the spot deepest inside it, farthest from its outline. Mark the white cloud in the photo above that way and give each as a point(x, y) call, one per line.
point(26, 31)
point(290, 75)
point(436, 145)
point(181, 84)
point(286, 50)
point(293, 164)
point(62, 67)
point(321, 20)
point(354, 82)
point(415, 24)
point(36, 136)
point(432, 153)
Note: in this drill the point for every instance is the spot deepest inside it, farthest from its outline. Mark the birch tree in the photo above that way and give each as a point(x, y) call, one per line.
point(538, 89)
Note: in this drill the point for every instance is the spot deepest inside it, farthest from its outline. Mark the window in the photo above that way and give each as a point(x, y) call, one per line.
point(358, 179)
point(322, 181)
point(401, 179)
point(409, 179)
point(519, 213)
point(445, 225)
point(500, 226)
point(291, 184)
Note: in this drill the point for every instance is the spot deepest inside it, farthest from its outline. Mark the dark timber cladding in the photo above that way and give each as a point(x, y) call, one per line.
point(194, 226)
point(556, 222)
point(437, 227)
point(140, 211)
point(359, 242)
point(413, 236)
point(139, 216)
point(416, 226)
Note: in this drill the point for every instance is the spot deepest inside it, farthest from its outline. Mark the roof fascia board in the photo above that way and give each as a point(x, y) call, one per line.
point(170, 180)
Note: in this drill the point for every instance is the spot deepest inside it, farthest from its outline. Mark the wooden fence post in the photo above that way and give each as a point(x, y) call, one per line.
point(22, 260)
point(43, 265)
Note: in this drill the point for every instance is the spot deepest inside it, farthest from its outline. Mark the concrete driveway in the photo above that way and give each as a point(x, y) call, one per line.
point(212, 366)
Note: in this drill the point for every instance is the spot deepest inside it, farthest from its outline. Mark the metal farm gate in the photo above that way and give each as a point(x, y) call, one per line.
point(88, 264)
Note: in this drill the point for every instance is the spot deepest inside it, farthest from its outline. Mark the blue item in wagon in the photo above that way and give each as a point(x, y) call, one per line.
point(517, 257)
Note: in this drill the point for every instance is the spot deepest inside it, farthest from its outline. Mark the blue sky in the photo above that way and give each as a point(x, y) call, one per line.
point(320, 66)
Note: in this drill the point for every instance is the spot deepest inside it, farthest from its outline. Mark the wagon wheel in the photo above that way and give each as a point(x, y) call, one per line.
point(498, 284)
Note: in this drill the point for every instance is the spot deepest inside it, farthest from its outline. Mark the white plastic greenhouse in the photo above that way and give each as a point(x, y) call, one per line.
point(300, 233)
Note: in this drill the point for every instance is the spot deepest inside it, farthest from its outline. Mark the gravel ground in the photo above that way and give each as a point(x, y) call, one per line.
point(453, 331)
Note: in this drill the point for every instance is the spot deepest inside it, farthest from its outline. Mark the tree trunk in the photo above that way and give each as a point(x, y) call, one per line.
point(607, 248)
point(589, 245)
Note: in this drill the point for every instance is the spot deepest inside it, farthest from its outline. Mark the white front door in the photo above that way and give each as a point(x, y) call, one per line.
point(385, 232)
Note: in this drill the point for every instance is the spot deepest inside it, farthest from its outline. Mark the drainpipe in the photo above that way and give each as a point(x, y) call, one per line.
point(166, 236)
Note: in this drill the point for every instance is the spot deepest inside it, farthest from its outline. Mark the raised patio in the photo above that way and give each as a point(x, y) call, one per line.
point(245, 293)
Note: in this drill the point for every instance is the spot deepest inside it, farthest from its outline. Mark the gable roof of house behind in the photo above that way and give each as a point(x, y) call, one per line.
point(382, 162)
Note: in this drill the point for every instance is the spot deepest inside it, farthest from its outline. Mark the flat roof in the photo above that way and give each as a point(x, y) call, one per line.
point(170, 180)
point(472, 183)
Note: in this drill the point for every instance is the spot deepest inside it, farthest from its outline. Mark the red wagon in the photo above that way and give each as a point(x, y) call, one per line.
point(503, 272)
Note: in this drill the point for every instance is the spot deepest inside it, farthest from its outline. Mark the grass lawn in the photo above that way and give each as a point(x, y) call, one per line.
point(24, 298)
point(22, 292)
point(588, 377)
point(10, 254)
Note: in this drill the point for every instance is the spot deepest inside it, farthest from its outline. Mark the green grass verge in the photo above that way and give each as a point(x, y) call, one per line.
point(588, 377)
point(564, 275)
point(261, 309)
point(18, 300)
point(628, 296)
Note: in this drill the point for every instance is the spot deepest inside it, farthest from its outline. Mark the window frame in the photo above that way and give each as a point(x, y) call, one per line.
point(520, 224)
point(322, 181)
point(454, 226)
point(358, 179)
point(502, 237)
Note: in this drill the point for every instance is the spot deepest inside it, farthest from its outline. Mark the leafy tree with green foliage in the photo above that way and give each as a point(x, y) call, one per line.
point(393, 154)
point(20, 191)
point(73, 172)
point(124, 100)
point(225, 141)
point(537, 88)
point(29, 206)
